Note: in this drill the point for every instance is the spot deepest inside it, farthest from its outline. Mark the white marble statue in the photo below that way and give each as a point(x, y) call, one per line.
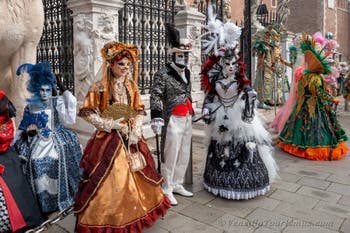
point(21, 25)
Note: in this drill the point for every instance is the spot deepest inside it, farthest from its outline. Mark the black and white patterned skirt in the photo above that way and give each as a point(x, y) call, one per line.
point(233, 172)
point(5, 225)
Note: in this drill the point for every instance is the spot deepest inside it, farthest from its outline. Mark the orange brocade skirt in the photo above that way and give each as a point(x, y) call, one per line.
point(124, 202)
point(317, 153)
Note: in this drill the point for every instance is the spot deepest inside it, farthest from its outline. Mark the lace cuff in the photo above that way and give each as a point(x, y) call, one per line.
point(136, 132)
point(106, 125)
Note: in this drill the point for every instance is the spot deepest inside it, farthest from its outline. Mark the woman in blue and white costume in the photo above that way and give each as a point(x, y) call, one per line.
point(52, 151)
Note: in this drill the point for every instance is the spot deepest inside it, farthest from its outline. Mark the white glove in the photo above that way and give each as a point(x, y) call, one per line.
point(116, 124)
point(136, 132)
point(206, 113)
point(156, 125)
point(252, 94)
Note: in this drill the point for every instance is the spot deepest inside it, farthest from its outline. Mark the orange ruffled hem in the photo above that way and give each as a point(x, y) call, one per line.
point(136, 226)
point(318, 153)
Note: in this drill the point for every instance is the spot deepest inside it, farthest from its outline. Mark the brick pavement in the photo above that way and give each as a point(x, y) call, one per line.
point(311, 196)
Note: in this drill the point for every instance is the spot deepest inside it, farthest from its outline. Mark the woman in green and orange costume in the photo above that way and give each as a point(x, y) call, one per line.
point(312, 130)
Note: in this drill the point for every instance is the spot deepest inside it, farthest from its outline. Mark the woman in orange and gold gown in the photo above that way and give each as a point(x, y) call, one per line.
point(112, 197)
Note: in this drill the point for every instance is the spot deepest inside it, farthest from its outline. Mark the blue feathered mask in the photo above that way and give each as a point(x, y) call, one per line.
point(40, 74)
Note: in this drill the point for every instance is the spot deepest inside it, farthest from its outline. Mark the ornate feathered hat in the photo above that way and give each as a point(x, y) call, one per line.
point(177, 44)
point(220, 36)
point(220, 42)
point(315, 59)
point(115, 51)
point(40, 74)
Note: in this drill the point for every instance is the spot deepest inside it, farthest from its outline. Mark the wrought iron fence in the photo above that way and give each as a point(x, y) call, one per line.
point(56, 43)
point(142, 22)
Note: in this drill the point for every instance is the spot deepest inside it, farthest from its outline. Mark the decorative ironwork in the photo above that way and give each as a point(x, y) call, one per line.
point(142, 22)
point(56, 43)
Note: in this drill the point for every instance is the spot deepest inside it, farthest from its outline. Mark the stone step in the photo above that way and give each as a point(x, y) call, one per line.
point(198, 135)
point(199, 125)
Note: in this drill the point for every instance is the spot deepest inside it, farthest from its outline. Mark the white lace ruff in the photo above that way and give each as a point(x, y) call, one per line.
point(234, 195)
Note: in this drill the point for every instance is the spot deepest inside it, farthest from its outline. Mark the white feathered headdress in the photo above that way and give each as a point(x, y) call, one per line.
point(220, 35)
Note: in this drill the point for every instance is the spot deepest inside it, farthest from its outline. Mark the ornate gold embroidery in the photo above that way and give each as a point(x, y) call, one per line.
point(117, 111)
point(4, 129)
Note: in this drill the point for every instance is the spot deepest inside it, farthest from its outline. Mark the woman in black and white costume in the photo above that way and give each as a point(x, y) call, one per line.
point(239, 162)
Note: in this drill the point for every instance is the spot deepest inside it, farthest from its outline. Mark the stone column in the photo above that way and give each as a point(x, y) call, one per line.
point(286, 42)
point(95, 23)
point(187, 21)
point(255, 28)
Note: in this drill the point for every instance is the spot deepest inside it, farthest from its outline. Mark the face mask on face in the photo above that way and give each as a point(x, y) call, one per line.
point(45, 93)
point(229, 67)
point(181, 59)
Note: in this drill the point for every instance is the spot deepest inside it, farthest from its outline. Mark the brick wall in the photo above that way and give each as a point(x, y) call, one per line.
point(343, 28)
point(305, 16)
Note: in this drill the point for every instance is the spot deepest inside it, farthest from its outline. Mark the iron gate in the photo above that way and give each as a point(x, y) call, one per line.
point(56, 43)
point(142, 22)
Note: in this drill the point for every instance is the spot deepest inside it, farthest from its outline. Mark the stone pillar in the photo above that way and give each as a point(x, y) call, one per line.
point(255, 28)
point(286, 42)
point(95, 23)
point(187, 21)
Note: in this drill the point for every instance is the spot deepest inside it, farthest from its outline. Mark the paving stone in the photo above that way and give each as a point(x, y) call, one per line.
point(307, 172)
point(319, 194)
point(233, 224)
point(334, 167)
point(334, 209)
point(265, 218)
point(57, 229)
point(339, 188)
point(265, 230)
point(289, 177)
point(344, 200)
point(307, 229)
point(272, 190)
point(294, 198)
point(312, 182)
point(201, 197)
point(342, 179)
point(287, 186)
point(68, 223)
point(302, 215)
point(155, 229)
point(243, 207)
point(345, 227)
point(182, 203)
point(202, 213)
point(173, 220)
point(196, 227)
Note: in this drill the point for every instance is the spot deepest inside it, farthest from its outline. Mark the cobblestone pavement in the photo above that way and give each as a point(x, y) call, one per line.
point(311, 196)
